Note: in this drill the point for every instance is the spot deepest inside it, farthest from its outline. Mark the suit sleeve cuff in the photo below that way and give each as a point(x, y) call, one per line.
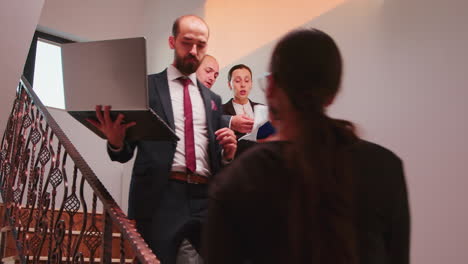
point(113, 148)
point(225, 161)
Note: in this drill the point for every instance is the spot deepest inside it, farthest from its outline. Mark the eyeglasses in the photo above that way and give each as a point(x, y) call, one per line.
point(264, 81)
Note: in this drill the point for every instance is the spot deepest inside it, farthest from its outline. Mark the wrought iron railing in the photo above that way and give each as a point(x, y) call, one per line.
point(51, 196)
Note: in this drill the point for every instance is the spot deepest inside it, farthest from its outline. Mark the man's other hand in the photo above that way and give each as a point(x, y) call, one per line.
point(227, 139)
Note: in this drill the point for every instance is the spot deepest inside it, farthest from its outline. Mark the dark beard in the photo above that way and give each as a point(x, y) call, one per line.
point(187, 65)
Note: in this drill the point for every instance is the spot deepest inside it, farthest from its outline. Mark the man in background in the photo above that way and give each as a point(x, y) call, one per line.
point(208, 71)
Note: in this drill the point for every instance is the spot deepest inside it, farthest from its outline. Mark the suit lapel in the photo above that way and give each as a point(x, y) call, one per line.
point(207, 101)
point(252, 104)
point(230, 108)
point(165, 97)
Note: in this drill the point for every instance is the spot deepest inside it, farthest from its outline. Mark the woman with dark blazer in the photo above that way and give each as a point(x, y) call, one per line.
point(318, 195)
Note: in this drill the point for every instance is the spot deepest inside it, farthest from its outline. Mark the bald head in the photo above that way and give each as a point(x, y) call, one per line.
point(189, 42)
point(208, 71)
point(192, 19)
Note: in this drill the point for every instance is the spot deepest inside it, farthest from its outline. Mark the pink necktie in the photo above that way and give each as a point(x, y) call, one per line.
point(188, 128)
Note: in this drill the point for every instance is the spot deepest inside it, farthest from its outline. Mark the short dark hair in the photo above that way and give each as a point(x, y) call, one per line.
point(236, 67)
point(175, 26)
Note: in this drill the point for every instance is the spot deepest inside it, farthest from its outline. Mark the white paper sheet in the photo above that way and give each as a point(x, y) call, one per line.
point(260, 118)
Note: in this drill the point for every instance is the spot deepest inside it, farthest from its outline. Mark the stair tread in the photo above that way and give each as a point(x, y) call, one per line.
point(45, 258)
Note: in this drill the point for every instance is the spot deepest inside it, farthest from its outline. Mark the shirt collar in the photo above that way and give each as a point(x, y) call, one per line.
point(234, 103)
point(173, 74)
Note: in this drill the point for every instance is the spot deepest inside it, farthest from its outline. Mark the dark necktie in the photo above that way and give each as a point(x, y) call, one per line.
point(190, 162)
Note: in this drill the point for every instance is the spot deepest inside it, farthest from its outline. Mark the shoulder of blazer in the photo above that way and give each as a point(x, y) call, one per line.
point(252, 104)
point(157, 79)
point(228, 108)
point(160, 76)
point(376, 151)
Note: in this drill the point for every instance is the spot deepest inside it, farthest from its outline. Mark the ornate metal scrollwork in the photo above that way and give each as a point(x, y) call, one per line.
point(47, 210)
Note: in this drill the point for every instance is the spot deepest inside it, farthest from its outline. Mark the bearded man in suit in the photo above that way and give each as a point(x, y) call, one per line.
point(168, 189)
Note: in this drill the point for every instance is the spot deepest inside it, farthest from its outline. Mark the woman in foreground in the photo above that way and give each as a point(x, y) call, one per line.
point(320, 194)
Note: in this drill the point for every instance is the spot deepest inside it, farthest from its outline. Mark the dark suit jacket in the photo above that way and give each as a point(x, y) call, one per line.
point(228, 109)
point(249, 213)
point(154, 158)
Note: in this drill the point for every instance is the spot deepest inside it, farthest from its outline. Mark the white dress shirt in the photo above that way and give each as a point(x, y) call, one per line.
point(200, 128)
point(243, 109)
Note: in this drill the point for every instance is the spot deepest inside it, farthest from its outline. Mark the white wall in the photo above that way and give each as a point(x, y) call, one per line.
point(94, 20)
point(423, 79)
point(18, 20)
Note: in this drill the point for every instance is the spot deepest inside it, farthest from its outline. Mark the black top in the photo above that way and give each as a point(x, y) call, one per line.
point(247, 219)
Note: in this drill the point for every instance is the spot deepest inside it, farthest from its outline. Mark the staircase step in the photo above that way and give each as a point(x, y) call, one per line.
point(10, 249)
point(78, 219)
point(15, 259)
point(116, 242)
